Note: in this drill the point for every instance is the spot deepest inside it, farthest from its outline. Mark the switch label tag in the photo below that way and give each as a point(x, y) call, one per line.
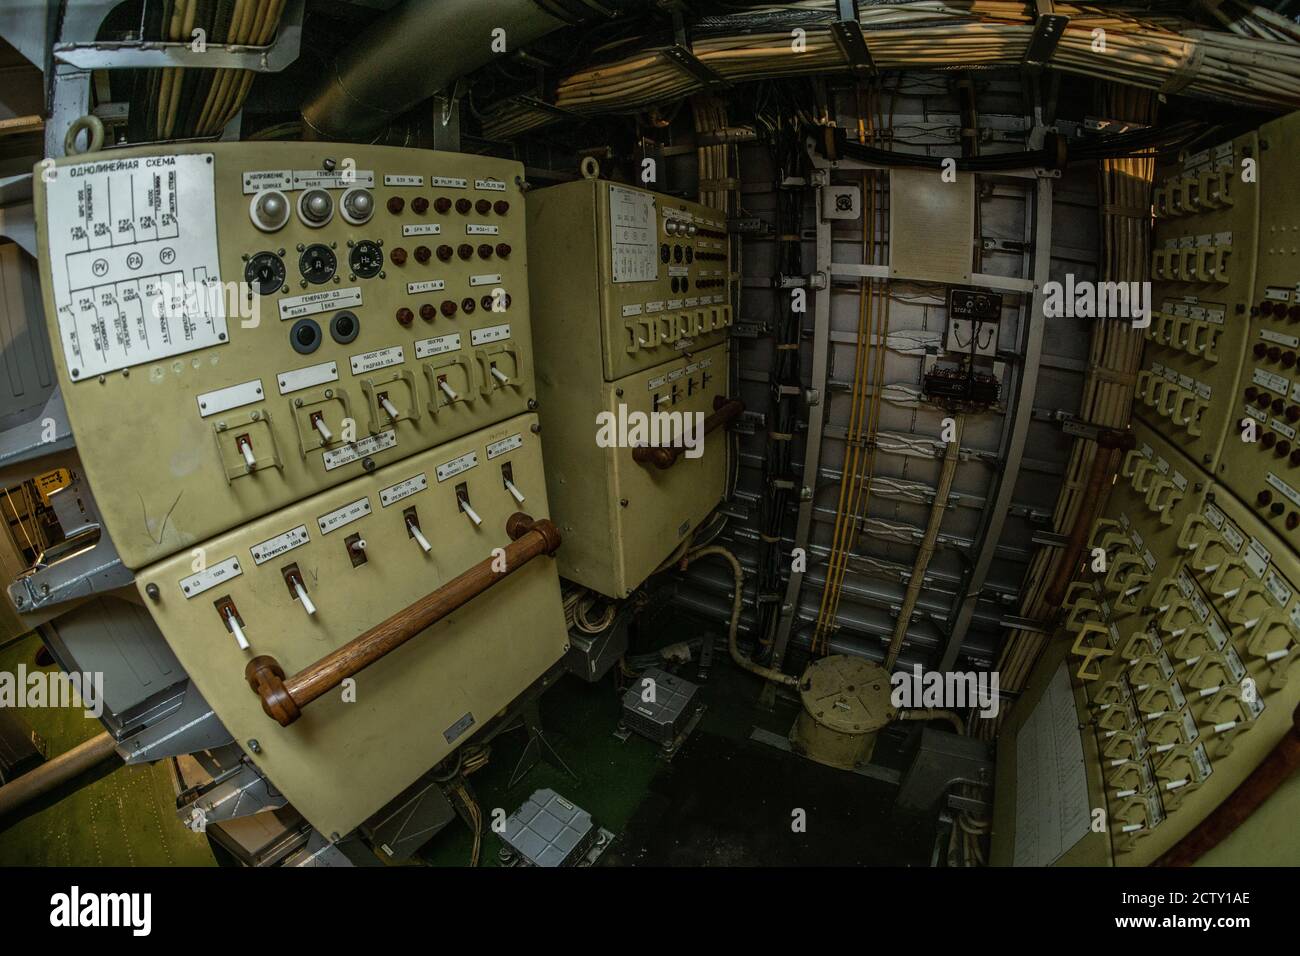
point(494, 279)
point(457, 466)
point(337, 457)
point(379, 358)
point(299, 378)
point(341, 517)
point(257, 180)
point(447, 182)
point(498, 448)
point(428, 285)
point(403, 489)
point(481, 229)
point(210, 577)
point(281, 544)
point(296, 306)
point(391, 179)
point(422, 229)
point(234, 396)
point(436, 346)
point(491, 185)
point(493, 333)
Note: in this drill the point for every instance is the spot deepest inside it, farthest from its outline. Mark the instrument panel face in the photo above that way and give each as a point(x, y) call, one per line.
point(1265, 473)
point(238, 326)
point(1203, 274)
point(354, 553)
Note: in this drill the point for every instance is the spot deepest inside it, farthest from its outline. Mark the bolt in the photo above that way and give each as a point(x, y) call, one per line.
point(151, 589)
point(254, 746)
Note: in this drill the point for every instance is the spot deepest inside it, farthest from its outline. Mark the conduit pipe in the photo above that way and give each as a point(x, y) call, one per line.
point(419, 48)
point(950, 458)
point(41, 780)
point(737, 599)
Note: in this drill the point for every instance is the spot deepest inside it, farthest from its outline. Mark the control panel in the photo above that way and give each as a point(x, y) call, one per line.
point(620, 517)
point(238, 326)
point(1264, 472)
point(1203, 277)
point(302, 582)
point(655, 270)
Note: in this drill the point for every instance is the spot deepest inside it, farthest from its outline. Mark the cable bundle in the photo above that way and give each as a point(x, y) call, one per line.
point(184, 103)
point(1258, 63)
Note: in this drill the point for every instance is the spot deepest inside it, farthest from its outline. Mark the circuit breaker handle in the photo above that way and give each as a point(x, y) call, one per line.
point(725, 411)
point(283, 698)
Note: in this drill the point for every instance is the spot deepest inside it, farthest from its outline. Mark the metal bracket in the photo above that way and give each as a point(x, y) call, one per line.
point(682, 57)
point(84, 54)
point(1049, 27)
point(847, 31)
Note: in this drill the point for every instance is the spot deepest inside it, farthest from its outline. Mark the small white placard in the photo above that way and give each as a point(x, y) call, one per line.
point(341, 517)
point(403, 489)
point(422, 229)
point(447, 181)
point(457, 466)
point(481, 229)
point(437, 346)
point(491, 185)
point(297, 306)
point(391, 179)
point(428, 285)
point(498, 448)
point(299, 378)
point(338, 457)
point(257, 180)
point(379, 358)
point(493, 333)
point(210, 577)
point(224, 399)
point(281, 544)
point(485, 279)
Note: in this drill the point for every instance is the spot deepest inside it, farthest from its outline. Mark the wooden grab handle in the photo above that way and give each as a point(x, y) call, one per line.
point(725, 411)
point(283, 698)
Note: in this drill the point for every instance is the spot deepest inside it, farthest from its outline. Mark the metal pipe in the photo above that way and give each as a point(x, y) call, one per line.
point(60, 770)
point(412, 52)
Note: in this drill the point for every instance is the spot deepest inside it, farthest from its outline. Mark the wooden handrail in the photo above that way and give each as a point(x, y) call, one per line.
point(283, 698)
point(725, 411)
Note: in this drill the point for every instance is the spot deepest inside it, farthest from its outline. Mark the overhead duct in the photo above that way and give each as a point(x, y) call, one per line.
point(420, 48)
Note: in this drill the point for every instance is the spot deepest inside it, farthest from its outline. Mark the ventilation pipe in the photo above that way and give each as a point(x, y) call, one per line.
point(420, 48)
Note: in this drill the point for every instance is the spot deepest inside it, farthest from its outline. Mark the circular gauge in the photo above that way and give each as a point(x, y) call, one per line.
point(264, 273)
point(366, 259)
point(318, 263)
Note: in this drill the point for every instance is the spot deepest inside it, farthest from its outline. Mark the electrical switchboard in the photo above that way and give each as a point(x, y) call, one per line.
point(238, 326)
point(302, 582)
point(631, 297)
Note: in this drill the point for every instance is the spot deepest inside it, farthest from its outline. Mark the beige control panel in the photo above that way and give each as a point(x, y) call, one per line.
point(301, 582)
point(238, 326)
point(654, 269)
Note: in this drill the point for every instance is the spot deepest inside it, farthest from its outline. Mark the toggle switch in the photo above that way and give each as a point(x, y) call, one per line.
point(245, 446)
point(448, 390)
point(413, 530)
point(462, 499)
point(500, 376)
point(387, 406)
point(230, 617)
point(508, 479)
point(356, 546)
point(293, 578)
point(318, 423)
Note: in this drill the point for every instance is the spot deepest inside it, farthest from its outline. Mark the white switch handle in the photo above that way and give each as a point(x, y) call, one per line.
point(419, 537)
point(237, 631)
point(510, 487)
point(246, 449)
point(473, 515)
point(326, 435)
point(448, 390)
point(359, 546)
point(389, 407)
point(301, 591)
point(500, 376)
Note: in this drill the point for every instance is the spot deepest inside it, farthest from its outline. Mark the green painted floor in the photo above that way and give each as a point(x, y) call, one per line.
point(723, 799)
point(122, 816)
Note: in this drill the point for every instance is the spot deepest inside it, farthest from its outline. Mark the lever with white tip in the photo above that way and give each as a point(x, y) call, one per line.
point(318, 423)
point(500, 376)
point(233, 623)
point(246, 449)
point(419, 537)
point(301, 591)
point(388, 407)
point(473, 515)
point(448, 390)
point(518, 495)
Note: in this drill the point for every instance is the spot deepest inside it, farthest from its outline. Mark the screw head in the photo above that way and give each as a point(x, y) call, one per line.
point(254, 746)
point(152, 590)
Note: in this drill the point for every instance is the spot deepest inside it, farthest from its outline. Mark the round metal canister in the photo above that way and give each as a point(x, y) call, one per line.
point(846, 701)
